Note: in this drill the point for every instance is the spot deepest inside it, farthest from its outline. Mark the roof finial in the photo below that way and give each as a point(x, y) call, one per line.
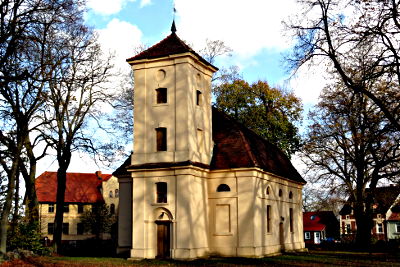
point(173, 27)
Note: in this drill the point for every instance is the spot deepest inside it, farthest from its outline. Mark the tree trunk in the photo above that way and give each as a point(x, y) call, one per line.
point(7, 206)
point(64, 160)
point(15, 216)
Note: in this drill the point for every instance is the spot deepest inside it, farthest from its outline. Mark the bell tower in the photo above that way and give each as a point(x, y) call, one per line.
point(172, 104)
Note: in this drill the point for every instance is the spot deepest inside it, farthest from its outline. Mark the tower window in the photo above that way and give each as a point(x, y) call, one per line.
point(198, 97)
point(290, 195)
point(161, 188)
point(223, 188)
point(116, 193)
point(80, 208)
point(161, 95)
point(280, 192)
point(161, 139)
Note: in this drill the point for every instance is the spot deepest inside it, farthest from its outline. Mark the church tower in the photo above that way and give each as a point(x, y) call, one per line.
point(172, 104)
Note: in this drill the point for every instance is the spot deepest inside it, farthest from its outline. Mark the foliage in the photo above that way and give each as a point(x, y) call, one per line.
point(350, 147)
point(270, 112)
point(358, 42)
point(99, 220)
point(26, 236)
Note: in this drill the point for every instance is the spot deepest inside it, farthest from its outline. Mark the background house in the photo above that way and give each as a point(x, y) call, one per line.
point(83, 192)
point(320, 226)
point(386, 215)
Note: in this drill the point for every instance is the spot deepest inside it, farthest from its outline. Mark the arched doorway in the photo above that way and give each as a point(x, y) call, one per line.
point(163, 221)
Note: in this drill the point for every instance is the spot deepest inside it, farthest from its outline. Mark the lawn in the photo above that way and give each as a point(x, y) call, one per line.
point(313, 258)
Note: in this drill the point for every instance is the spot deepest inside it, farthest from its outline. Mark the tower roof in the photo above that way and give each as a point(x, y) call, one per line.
point(171, 45)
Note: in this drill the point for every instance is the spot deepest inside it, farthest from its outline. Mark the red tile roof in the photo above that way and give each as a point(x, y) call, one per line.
point(315, 221)
point(171, 45)
point(395, 216)
point(80, 188)
point(235, 146)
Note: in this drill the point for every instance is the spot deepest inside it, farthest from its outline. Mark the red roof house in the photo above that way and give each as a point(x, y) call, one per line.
point(80, 187)
point(319, 226)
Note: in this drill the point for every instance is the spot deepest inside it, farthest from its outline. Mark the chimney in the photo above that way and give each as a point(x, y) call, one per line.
point(98, 173)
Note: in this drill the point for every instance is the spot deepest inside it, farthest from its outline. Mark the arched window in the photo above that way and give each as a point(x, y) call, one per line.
point(290, 195)
point(267, 190)
point(112, 209)
point(280, 192)
point(110, 194)
point(116, 193)
point(223, 188)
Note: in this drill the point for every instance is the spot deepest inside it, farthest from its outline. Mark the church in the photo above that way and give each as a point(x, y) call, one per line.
point(199, 183)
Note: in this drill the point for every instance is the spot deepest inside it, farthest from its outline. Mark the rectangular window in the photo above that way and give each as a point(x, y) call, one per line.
point(51, 208)
point(161, 95)
point(291, 220)
point(79, 229)
point(397, 227)
point(348, 229)
point(80, 208)
point(161, 188)
point(307, 235)
point(379, 228)
point(65, 228)
point(66, 208)
point(161, 139)
point(50, 228)
point(268, 218)
point(198, 97)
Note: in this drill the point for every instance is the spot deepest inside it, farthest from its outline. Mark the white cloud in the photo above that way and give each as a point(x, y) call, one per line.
point(145, 3)
point(120, 38)
point(246, 26)
point(108, 7)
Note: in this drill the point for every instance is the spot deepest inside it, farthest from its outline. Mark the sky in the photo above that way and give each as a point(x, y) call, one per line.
point(252, 28)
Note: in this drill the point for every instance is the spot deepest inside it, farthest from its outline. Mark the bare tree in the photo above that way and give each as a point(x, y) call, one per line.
point(350, 147)
point(78, 91)
point(358, 41)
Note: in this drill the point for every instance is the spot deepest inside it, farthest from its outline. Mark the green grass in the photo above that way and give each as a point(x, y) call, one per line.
point(313, 258)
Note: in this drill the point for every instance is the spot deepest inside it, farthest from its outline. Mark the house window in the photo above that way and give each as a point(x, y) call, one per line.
point(348, 229)
point(290, 195)
point(291, 220)
point(198, 97)
point(161, 188)
point(397, 227)
point(51, 208)
point(223, 188)
point(268, 218)
point(65, 228)
point(110, 194)
point(161, 95)
point(112, 209)
point(79, 229)
point(379, 228)
point(116, 193)
point(161, 134)
point(66, 208)
point(307, 235)
point(50, 228)
point(379, 216)
point(280, 192)
point(347, 217)
point(80, 208)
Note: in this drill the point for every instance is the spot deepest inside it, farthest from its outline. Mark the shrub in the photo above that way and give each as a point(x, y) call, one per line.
point(26, 236)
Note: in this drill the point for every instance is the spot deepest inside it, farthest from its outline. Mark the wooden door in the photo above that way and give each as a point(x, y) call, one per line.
point(163, 239)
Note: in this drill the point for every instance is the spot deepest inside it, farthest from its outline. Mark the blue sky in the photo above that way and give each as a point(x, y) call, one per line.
point(252, 28)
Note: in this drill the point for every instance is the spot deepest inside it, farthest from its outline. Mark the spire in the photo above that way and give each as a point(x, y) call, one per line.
point(173, 27)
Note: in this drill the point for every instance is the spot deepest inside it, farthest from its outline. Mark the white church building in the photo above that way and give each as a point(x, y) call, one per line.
point(198, 182)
